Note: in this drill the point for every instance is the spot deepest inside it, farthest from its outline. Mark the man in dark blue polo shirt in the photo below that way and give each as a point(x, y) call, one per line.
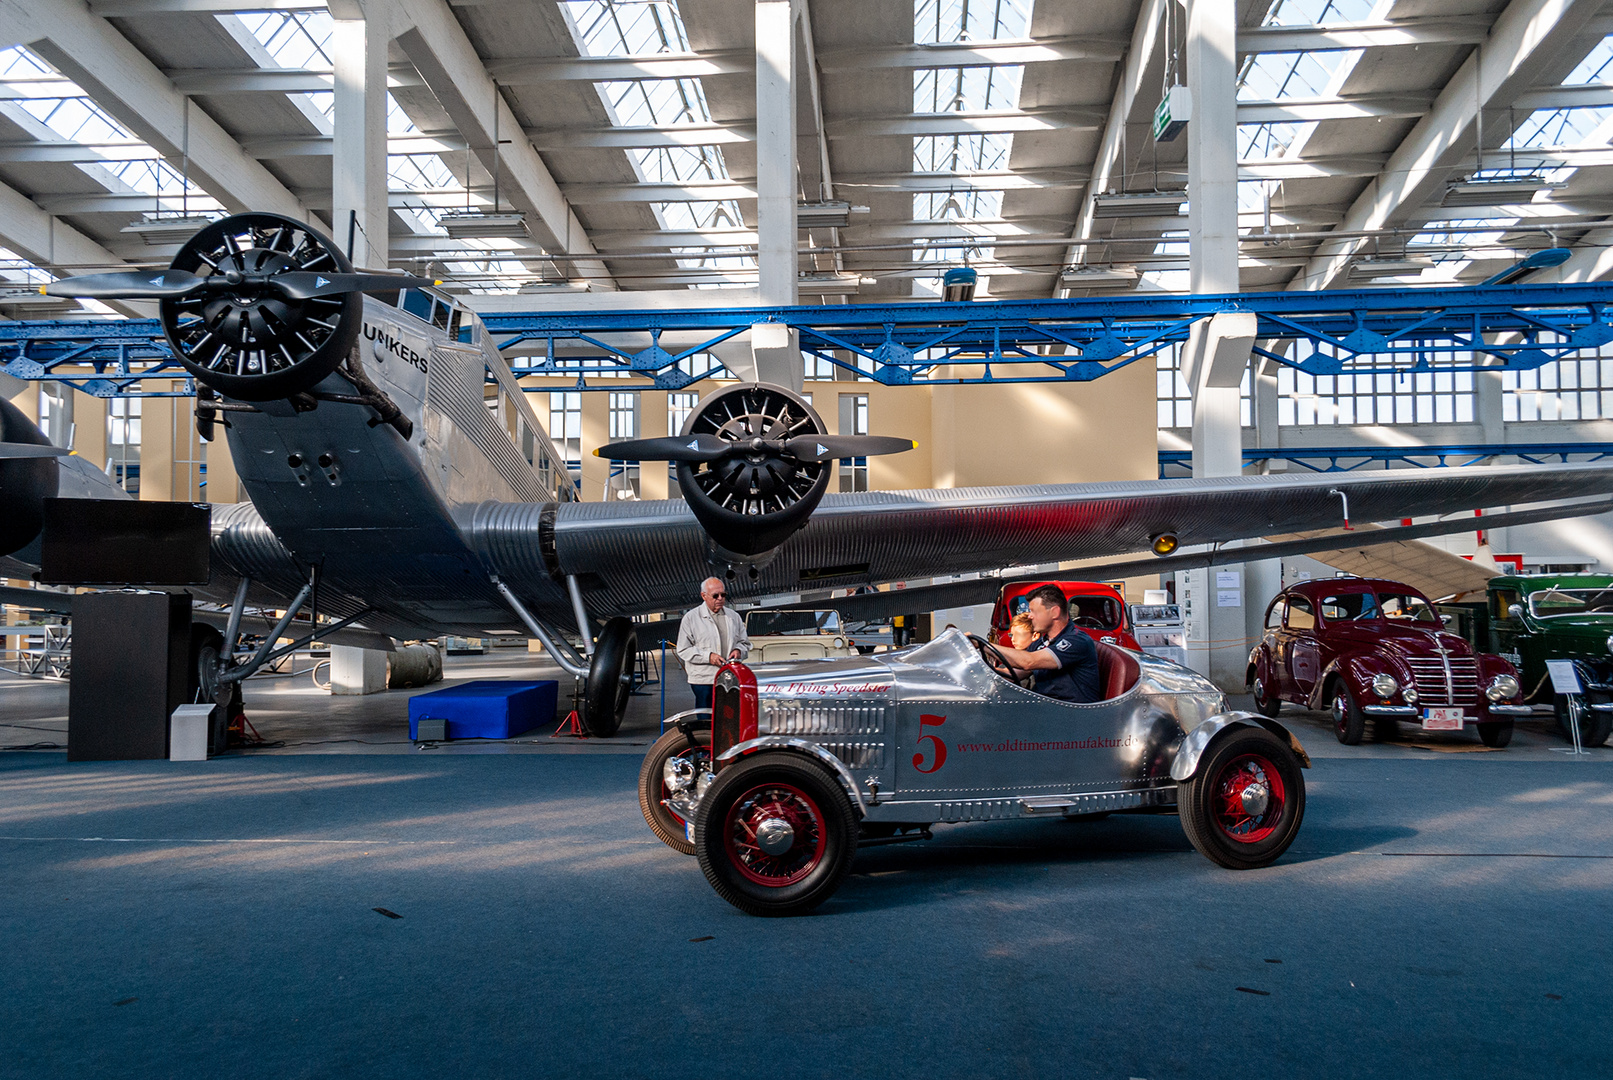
point(1065, 661)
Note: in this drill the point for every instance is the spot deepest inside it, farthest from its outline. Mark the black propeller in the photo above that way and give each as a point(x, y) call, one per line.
point(709, 449)
point(179, 284)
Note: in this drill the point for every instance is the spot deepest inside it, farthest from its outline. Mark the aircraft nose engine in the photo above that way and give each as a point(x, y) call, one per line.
point(29, 474)
point(754, 462)
point(256, 306)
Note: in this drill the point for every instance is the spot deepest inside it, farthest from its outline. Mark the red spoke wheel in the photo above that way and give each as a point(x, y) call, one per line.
point(1243, 804)
point(661, 779)
point(775, 834)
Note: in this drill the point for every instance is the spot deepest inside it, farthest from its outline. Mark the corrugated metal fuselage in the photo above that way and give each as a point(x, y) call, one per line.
point(383, 518)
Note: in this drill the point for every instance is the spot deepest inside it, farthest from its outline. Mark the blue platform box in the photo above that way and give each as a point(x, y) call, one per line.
point(487, 708)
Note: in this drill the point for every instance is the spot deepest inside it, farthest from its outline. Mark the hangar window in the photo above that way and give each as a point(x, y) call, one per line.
point(565, 428)
point(624, 475)
point(1425, 397)
point(123, 442)
point(854, 421)
point(1575, 389)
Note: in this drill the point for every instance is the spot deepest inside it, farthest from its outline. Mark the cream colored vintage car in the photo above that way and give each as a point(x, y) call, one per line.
point(796, 635)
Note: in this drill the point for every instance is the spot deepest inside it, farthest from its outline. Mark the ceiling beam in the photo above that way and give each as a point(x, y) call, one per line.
point(690, 191)
point(1349, 107)
point(646, 137)
point(542, 69)
point(437, 46)
point(54, 245)
point(1590, 95)
point(118, 77)
point(199, 81)
point(122, 9)
point(972, 53)
point(1427, 30)
point(1527, 36)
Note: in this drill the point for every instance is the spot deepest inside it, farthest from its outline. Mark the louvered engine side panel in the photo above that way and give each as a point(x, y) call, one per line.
point(853, 733)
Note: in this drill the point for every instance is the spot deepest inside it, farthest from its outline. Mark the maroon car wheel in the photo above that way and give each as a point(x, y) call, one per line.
point(653, 792)
point(1267, 703)
point(1243, 805)
point(775, 834)
point(1349, 724)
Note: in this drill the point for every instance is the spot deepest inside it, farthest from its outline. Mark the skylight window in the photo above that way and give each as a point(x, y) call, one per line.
point(51, 106)
point(621, 28)
point(1597, 67)
point(965, 89)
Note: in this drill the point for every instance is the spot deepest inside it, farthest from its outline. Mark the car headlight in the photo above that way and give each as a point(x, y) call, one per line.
point(1610, 643)
point(1501, 688)
point(1409, 695)
point(1384, 685)
point(840, 643)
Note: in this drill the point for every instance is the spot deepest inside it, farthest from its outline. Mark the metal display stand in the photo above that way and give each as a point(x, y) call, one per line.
point(1565, 681)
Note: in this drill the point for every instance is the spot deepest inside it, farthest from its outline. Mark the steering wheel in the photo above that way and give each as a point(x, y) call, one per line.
point(1088, 622)
point(991, 655)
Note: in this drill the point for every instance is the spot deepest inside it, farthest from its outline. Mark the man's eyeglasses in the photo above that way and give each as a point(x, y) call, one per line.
point(719, 596)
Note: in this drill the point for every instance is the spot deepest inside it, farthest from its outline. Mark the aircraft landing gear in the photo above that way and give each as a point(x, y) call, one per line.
point(610, 678)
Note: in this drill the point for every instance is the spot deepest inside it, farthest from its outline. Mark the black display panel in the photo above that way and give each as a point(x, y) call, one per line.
point(125, 542)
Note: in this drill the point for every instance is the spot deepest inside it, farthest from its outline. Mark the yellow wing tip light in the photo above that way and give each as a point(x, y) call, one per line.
point(1164, 544)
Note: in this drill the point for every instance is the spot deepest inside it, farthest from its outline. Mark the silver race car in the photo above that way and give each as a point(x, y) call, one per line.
point(802, 762)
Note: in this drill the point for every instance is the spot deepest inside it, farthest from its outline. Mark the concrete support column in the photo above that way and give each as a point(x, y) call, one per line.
point(775, 348)
point(1218, 351)
point(358, 164)
point(356, 671)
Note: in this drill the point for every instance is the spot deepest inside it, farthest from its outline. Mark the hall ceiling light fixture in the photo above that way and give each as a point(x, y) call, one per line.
point(1506, 191)
point(1099, 277)
point(475, 225)
point(826, 215)
point(828, 284)
point(1139, 204)
point(157, 230)
point(1373, 269)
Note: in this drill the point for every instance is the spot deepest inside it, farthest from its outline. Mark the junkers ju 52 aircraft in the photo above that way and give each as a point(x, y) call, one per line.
point(354, 407)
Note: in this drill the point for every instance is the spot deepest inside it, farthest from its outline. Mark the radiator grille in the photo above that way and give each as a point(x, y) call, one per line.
point(815, 720)
point(1428, 673)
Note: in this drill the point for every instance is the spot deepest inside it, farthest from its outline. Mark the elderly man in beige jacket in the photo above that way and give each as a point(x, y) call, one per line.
point(709, 636)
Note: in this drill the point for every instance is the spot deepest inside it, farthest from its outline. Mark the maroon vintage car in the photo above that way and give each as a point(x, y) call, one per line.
point(1370, 649)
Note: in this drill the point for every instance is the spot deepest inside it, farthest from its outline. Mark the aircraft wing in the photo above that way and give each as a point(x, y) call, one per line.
point(639, 557)
point(1431, 570)
point(57, 603)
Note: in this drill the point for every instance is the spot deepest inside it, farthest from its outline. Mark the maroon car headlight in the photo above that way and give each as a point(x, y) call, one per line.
point(1384, 685)
point(1501, 688)
point(1409, 695)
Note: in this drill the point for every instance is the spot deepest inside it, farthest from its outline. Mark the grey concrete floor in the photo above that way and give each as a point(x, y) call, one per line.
point(1439, 915)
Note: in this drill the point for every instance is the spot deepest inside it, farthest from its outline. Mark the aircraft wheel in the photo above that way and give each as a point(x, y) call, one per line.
point(654, 784)
point(206, 647)
point(610, 678)
point(775, 834)
point(1243, 805)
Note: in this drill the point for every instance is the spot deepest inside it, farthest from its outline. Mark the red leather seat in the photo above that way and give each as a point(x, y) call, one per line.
point(1117, 670)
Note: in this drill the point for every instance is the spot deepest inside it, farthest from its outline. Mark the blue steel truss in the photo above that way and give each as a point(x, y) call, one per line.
point(1376, 331)
point(1176, 463)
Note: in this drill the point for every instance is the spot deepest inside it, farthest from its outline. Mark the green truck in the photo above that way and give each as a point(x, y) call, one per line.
point(1541, 617)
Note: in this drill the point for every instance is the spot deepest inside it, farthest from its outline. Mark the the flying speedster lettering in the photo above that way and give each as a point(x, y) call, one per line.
point(389, 341)
point(825, 689)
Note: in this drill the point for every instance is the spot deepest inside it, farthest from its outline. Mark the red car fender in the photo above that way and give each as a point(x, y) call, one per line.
point(1357, 671)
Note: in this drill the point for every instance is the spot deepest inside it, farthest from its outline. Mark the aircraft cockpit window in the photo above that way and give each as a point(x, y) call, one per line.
point(417, 303)
point(453, 324)
point(439, 315)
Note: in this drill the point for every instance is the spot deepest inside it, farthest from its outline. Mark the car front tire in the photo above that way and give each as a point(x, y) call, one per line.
point(775, 834)
point(667, 826)
point(1267, 703)
point(1243, 806)
point(1349, 723)
point(1496, 734)
point(1594, 727)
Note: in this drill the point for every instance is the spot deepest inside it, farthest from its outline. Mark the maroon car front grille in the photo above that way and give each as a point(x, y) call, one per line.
point(725, 706)
point(1433, 687)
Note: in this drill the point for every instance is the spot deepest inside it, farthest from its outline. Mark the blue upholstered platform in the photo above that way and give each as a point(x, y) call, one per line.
point(486, 708)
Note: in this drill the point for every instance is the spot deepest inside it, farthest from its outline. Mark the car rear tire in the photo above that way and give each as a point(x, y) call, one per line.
point(1267, 704)
point(815, 823)
point(1496, 734)
point(1594, 727)
point(667, 826)
point(1349, 723)
point(1243, 805)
